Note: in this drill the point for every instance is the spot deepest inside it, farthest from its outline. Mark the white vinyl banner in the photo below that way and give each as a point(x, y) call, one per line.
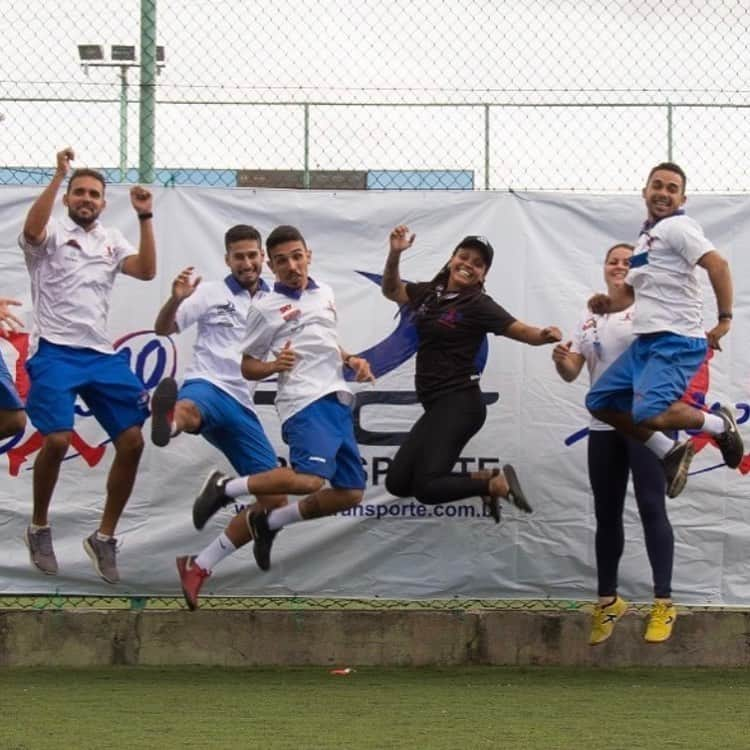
point(549, 251)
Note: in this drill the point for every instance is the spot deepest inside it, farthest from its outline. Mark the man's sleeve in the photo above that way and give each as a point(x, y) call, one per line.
point(192, 309)
point(688, 240)
point(121, 247)
point(31, 250)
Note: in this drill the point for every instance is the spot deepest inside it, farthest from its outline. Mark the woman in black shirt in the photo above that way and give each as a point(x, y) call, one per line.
point(452, 315)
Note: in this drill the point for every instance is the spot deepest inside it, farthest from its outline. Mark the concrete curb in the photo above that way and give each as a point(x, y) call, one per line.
point(355, 637)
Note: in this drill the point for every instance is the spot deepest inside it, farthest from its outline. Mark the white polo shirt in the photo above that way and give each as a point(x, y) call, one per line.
point(220, 310)
point(72, 273)
point(308, 319)
point(600, 340)
point(663, 273)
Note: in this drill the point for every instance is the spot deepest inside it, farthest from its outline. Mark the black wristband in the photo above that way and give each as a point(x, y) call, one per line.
point(143, 217)
point(725, 316)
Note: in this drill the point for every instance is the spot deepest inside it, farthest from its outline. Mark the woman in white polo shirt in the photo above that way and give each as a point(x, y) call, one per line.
point(612, 457)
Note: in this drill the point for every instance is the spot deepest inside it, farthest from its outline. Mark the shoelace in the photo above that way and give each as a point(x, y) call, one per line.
point(659, 612)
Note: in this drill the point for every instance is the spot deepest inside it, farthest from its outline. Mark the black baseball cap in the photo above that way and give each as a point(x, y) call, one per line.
point(477, 242)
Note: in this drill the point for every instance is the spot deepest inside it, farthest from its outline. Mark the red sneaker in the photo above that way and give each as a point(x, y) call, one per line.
point(191, 579)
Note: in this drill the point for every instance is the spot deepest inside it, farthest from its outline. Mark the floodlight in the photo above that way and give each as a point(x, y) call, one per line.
point(123, 53)
point(90, 52)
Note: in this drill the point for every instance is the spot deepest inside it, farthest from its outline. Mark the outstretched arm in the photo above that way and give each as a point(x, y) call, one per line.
point(392, 286)
point(532, 334)
point(143, 265)
point(567, 363)
point(35, 226)
point(359, 365)
point(721, 280)
point(182, 287)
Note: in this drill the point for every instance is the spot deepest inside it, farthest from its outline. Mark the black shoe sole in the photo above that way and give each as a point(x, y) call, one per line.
point(162, 402)
point(262, 541)
point(515, 494)
point(732, 454)
point(181, 562)
point(202, 509)
point(492, 504)
point(679, 480)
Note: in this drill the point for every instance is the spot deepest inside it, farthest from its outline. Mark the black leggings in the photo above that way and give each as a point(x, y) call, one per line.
point(612, 457)
point(422, 467)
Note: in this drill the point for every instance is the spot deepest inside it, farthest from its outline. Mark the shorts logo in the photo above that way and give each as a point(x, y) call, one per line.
point(317, 459)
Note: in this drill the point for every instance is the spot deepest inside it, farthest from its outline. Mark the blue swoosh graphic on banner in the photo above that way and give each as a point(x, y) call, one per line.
point(401, 344)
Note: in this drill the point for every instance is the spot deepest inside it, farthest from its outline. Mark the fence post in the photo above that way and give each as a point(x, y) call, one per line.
point(306, 174)
point(669, 131)
point(486, 146)
point(147, 112)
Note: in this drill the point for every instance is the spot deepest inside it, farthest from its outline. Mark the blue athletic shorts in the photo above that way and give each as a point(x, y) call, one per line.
point(649, 376)
point(231, 427)
point(105, 382)
point(9, 398)
point(321, 442)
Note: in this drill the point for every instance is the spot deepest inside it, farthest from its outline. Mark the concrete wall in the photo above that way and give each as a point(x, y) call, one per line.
point(351, 638)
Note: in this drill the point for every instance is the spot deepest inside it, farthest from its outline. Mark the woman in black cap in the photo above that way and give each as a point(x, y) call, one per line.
point(452, 314)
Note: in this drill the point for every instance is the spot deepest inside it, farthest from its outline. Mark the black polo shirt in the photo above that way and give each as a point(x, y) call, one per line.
point(451, 328)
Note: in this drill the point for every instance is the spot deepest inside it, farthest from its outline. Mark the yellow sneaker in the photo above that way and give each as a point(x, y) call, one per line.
point(660, 621)
point(605, 619)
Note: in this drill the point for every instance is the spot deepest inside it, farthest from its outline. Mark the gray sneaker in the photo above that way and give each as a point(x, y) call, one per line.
point(102, 556)
point(677, 465)
point(40, 549)
point(730, 441)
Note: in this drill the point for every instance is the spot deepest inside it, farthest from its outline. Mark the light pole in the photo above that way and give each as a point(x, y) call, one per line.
point(122, 56)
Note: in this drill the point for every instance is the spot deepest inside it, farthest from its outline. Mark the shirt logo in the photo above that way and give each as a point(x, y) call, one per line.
point(450, 318)
point(289, 312)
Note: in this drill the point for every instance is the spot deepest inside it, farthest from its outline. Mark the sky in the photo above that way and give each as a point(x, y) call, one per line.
point(424, 84)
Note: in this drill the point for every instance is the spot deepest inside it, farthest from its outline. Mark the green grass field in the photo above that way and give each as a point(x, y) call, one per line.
point(430, 709)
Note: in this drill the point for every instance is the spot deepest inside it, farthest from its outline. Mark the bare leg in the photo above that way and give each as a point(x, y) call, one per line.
point(623, 421)
point(46, 471)
point(328, 501)
point(237, 530)
point(187, 417)
point(128, 449)
point(679, 416)
point(12, 421)
point(283, 481)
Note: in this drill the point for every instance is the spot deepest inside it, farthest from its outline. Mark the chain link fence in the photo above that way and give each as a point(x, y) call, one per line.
point(474, 94)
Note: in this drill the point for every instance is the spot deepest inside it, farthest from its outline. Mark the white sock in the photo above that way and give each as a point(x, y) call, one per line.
point(236, 487)
point(34, 528)
point(713, 424)
point(174, 430)
point(660, 444)
point(284, 516)
point(212, 555)
point(103, 537)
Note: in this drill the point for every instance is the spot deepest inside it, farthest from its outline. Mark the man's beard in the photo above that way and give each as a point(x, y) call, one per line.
point(83, 221)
